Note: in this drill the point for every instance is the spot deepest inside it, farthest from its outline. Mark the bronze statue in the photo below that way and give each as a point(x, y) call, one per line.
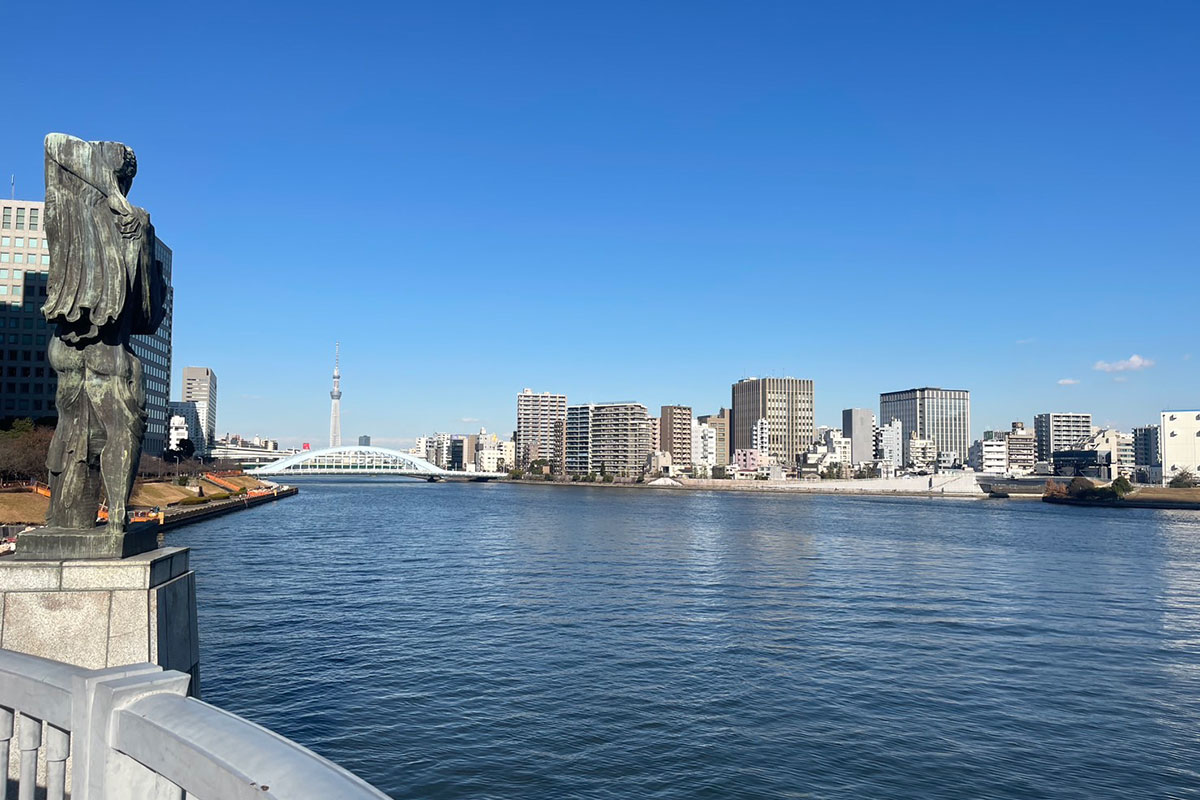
point(104, 285)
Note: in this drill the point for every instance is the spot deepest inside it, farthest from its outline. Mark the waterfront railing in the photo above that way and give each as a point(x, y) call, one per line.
point(133, 732)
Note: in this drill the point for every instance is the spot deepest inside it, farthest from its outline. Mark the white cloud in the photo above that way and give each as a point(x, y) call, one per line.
point(469, 419)
point(1131, 364)
point(1067, 382)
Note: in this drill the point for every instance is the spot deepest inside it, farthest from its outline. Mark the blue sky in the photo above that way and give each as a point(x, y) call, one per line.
point(648, 200)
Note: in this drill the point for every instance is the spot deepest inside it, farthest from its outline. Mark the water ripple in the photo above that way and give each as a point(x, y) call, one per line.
point(498, 641)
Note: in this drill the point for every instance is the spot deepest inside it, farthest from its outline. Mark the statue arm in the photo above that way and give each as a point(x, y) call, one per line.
point(79, 159)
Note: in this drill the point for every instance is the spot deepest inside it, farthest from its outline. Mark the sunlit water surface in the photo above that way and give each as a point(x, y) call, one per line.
point(501, 641)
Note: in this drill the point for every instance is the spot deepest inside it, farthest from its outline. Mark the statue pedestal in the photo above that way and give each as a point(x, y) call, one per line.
point(104, 612)
point(63, 544)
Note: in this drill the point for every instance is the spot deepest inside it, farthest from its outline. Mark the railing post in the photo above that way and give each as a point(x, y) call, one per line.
point(6, 732)
point(29, 733)
point(58, 747)
point(95, 697)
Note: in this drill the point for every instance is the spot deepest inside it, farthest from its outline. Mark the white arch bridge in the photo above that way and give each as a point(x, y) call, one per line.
point(364, 461)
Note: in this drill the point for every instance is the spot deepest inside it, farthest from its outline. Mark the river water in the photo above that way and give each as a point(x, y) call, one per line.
point(508, 641)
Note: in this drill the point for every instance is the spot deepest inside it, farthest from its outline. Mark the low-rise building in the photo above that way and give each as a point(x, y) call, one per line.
point(922, 453)
point(659, 463)
point(840, 448)
point(1117, 444)
point(750, 460)
point(1022, 450)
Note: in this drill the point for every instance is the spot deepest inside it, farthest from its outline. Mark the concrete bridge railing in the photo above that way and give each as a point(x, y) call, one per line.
point(132, 732)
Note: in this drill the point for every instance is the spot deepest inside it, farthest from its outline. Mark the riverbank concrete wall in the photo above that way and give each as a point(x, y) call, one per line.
point(958, 484)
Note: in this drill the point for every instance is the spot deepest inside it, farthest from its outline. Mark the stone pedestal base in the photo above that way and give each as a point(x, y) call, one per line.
point(62, 544)
point(103, 612)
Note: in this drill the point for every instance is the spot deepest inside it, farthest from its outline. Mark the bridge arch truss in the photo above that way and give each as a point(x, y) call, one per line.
point(362, 461)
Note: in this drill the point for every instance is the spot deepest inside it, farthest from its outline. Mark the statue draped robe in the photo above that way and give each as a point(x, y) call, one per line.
point(103, 286)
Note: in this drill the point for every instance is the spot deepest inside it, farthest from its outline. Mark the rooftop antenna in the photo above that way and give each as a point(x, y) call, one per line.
point(12, 186)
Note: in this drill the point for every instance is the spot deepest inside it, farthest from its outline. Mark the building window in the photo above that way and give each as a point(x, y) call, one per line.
point(5, 241)
point(33, 243)
point(20, 242)
point(6, 222)
point(5, 258)
point(18, 258)
point(33, 219)
point(20, 219)
point(45, 260)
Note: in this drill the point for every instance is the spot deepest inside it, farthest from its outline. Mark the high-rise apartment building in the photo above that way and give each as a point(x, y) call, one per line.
point(578, 445)
point(675, 435)
point(889, 443)
point(607, 438)
point(858, 425)
point(940, 415)
point(27, 380)
point(364, 441)
point(1059, 431)
point(1180, 437)
point(1147, 448)
point(200, 388)
point(541, 427)
point(787, 406)
point(704, 449)
point(719, 422)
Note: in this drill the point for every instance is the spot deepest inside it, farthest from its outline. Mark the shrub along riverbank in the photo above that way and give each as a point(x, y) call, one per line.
point(1120, 494)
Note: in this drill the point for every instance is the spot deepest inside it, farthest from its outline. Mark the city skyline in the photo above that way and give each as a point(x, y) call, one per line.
point(524, 175)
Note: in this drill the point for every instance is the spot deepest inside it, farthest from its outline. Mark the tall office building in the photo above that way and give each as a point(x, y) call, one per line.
point(858, 425)
point(541, 427)
point(154, 350)
point(940, 415)
point(607, 438)
point(1058, 431)
point(28, 381)
point(719, 422)
point(675, 435)
point(200, 388)
point(364, 441)
point(787, 406)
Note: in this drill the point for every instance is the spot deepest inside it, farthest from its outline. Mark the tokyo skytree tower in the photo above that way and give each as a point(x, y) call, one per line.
point(335, 410)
